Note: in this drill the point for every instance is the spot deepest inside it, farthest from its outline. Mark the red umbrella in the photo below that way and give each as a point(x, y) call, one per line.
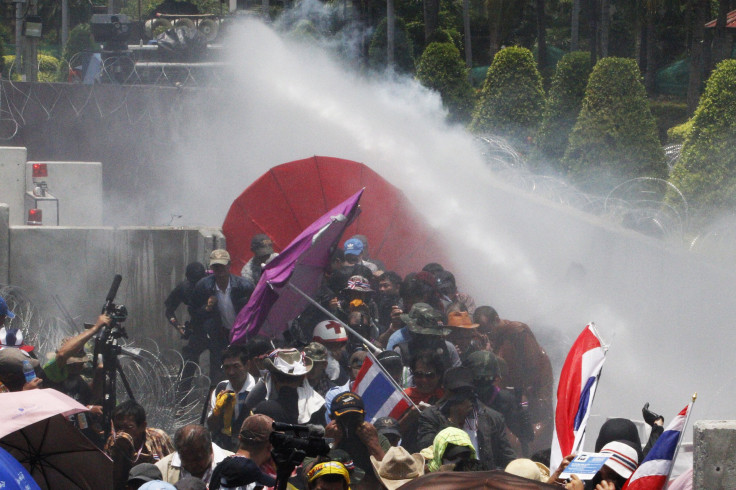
point(289, 197)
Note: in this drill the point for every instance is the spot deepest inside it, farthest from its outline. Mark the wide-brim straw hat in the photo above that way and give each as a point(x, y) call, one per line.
point(289, 362)
point(398, 467)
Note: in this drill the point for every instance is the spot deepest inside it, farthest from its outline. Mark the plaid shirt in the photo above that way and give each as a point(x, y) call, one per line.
point(156, 446)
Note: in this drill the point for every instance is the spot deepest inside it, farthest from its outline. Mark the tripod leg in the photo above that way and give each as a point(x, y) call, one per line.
point(119, 370)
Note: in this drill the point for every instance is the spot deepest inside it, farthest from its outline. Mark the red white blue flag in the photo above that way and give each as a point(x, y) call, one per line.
point(654, 471)
point(575, 391)
point(381, 397)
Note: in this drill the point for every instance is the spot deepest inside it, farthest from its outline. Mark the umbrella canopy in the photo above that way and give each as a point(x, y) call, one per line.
point(302, 263)
point(12, 474)
point(470, 480)
point(284, 200)
point(34, 430)
point(23, 408)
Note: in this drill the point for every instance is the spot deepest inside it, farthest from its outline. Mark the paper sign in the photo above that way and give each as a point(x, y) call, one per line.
point(585, 465)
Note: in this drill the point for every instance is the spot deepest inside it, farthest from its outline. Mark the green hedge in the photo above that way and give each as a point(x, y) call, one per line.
point(677, 134)
point(615, 136)
point(706, 171)
point(668, 114)
point(563, 106)
point(442, 68)
point(512, 99)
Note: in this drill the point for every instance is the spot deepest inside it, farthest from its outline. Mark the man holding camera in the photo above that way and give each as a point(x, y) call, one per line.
point(252, 463)
point(352, 434)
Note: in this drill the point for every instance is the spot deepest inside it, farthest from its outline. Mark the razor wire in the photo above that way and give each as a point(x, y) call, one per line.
point(648, 205)
point(154, 374)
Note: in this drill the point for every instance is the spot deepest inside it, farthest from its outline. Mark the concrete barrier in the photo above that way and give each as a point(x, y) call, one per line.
point(4, 242)
point(714, 464)
point(78, 264)
point(12, 185)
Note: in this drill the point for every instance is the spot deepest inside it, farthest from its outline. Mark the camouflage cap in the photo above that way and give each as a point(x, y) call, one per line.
point(483, 363)
point(425, 320)
point(316, 352)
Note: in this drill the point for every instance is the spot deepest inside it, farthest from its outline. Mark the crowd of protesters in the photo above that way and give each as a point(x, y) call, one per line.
point(480, 386)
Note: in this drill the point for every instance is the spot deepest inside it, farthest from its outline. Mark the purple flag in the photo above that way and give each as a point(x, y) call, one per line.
point(302, 263)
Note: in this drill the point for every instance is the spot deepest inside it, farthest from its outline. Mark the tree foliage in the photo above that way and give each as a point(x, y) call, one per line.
point(563, 105)
point(80, 40)
point(441, 68)
point(512, 98)
point(706, 171)
point(403, 58)
point(615, 136)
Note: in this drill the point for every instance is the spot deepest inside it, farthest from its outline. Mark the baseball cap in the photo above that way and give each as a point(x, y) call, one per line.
point(219, 256)
point(459, 378)
point(483, 364)
point(237, 471)
point(144, 472)
point(353, 247)
point(256, 428)
point(328, 468)
point(347, 402)
point(13, 337)
point(387, 425)
point(623, 458)
point(4, 310)
point(261, 244)
point(389, 359)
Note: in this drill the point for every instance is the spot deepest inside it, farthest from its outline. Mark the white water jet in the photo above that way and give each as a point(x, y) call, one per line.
point(665, 312)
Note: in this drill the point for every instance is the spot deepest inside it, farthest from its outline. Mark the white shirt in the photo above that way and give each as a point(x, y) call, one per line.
point(250, 382)
point(225, 305)
point(218, 454)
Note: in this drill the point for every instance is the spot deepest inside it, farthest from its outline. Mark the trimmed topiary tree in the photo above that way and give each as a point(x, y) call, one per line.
point(403, 58)
point(615, 136)
point(563, 106)
point(48, 67)
point(441, 68)
point(80, 39)
point(706, 171)
point(512, 99)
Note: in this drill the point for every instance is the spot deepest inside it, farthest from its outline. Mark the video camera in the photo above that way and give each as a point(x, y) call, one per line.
point(291, 444)
point(108, 349)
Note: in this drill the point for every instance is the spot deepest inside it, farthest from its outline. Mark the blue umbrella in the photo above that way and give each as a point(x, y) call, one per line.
point(12, 474)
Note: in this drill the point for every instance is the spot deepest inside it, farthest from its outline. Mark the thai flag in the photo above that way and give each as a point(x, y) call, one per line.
point(380, 397)
point(575, 391)
point(654, 471)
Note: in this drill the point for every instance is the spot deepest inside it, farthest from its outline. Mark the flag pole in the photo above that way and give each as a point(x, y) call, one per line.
point(679, 439)
point(604, 347)
point(393, 381)
point(372, 349)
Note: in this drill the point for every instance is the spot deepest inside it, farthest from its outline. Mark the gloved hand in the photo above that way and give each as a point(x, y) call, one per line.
point(651, 417)
point(224, 400)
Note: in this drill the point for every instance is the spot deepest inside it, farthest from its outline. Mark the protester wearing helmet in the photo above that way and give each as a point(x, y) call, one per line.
point(335, 338)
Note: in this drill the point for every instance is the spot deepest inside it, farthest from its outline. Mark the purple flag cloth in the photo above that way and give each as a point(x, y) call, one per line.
point(273, 303)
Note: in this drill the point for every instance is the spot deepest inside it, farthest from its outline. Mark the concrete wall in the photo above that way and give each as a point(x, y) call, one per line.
point(12, 184)
point(78, 187)
point(78, 265)
point(4, 242)
point(714, 464)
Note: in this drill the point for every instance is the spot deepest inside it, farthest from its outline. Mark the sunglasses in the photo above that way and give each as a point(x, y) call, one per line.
point(424, 374)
